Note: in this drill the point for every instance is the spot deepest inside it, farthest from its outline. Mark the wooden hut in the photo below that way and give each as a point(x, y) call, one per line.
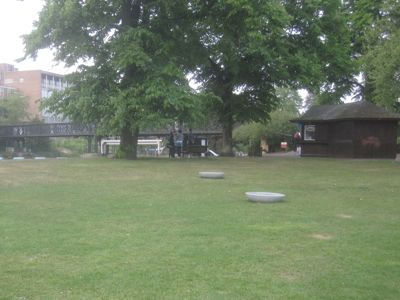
point(352, 130)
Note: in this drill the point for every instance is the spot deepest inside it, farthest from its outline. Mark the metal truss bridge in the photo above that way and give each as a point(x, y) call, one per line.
point(75, 130)
point(47, 130)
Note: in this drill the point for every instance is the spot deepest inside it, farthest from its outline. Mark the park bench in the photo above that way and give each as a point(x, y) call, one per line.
point(197, 148)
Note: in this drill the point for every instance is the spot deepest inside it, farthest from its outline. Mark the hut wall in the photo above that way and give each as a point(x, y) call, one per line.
point(319, 146)
point(314, 149)
point(353, 130)
point(353, 139)
point(341, 139)
point(375, 139)
point(322, 132)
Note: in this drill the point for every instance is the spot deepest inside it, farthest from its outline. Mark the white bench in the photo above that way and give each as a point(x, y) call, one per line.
point(116, 142)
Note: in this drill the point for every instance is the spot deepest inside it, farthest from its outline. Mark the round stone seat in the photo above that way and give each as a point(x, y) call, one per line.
point(212, 174)
point(266, 197)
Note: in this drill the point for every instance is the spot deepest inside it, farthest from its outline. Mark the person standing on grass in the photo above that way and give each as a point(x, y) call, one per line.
point(179, 142)
point(190, 142)
point(171, 144)
point(297, 140)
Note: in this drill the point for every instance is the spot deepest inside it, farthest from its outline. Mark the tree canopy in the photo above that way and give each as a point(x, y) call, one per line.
point(135, 57)
point(249, 48)
point(130, 72)
point(361, 16)
point(382, 58)
point(13, 109)
point(375, 45)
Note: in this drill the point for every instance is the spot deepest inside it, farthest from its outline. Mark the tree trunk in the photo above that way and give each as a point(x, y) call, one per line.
point(128, 145)
point(227, 121)
point(227, 147)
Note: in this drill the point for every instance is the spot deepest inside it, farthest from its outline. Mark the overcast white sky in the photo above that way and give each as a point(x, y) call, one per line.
point(16, 19)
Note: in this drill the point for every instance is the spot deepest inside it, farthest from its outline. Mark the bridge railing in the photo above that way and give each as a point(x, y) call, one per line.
point(48, 130)
point(76, 129)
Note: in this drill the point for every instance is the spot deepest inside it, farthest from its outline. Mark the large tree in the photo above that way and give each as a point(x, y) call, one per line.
point(375, 45)
point(382, 57)
point(362, 16)
point(131, 71)
point(248, 48)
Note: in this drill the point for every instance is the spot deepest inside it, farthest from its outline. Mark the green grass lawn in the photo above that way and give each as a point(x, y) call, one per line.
point(152, 229)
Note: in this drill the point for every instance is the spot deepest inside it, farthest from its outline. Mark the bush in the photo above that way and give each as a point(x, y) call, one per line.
point(69, 146)
point(280, 129)
point(247, 138)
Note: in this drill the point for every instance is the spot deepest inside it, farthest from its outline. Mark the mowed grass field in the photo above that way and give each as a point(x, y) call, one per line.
point(152, 229)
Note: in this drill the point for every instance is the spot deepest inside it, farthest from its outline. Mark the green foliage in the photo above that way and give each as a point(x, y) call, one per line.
point(13, 109)
point(249, 48)
point(362, 15)
point(69, 146)
point(38, 145)
point(280, 129)
point(136, 55)
point(247, 138)
point(382, 59)
point(375, 40)
point(131, 75)
point(251, 132)
point(289, 100)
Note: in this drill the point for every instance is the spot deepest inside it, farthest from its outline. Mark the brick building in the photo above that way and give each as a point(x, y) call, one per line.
point(35, 85)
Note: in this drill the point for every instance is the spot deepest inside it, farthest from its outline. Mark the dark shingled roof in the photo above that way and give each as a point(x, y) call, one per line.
point(361, 110)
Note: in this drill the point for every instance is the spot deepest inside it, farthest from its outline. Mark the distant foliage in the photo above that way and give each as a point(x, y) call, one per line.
point(280, 129)
point(277, 129)
point(247, 49)
point(247, 136)
point(69, 146)
point(382, 59)
point(374, 26)
point(13, 109)
point(135, 57)
point(131, 63)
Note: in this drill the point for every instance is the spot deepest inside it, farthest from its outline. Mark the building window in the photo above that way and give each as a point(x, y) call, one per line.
point(309, 132)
